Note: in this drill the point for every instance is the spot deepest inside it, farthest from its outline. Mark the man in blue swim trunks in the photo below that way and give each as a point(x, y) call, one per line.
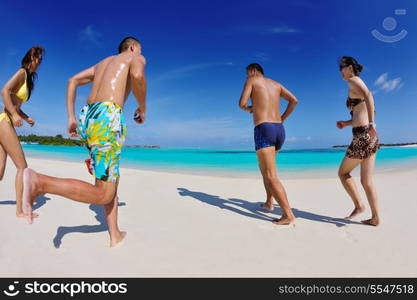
point(101, 123)
point(269, 132)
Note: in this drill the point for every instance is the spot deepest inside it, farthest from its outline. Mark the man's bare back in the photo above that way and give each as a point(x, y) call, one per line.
point(112, 78)
point(269, 132)
point(265, 95)
point(103, 127)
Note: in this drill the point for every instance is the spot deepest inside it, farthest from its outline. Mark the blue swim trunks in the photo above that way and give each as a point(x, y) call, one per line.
point(269, 134)
point(102, 125)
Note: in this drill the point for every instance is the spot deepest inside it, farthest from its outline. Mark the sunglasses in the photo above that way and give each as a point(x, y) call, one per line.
point(342, 67)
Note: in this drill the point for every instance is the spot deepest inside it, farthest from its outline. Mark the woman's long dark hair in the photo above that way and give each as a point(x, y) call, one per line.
point(34, 52)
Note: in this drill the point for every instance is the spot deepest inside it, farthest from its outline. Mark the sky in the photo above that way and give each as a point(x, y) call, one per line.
point(196, 55)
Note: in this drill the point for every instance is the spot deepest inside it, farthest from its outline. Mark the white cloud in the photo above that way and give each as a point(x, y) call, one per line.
point(197, 131)
point(261, 56)
point(381, 79)
point(188, 70)
point(383, 83)
point(80, 98)
point(294, 139)
point(43, 129)
point(11, 52)
point(203, 128)
point(304, 4)
point(89, 34)
point(282, 29)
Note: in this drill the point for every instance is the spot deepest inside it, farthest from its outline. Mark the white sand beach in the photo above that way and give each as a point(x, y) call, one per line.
point(182, 225)
point(409, 146)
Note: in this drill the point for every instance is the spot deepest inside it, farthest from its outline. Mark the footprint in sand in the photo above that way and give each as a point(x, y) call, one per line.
point(349, 235)
point(270, 226)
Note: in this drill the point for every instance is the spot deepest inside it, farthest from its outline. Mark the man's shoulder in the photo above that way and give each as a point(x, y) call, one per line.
point(272, 81)
point(109, 57)
point(105, 60)
point(140, 58)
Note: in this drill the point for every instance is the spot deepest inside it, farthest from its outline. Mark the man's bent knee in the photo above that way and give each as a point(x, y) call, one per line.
point(105, 198)
point(108, 191)
point(271, 177)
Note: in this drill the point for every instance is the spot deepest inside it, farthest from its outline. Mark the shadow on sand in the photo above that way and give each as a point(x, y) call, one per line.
point(254, 210)
point(100, 217)
point(40, 201)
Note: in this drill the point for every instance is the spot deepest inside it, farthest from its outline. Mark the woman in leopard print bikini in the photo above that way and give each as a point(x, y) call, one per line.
point(365, 141)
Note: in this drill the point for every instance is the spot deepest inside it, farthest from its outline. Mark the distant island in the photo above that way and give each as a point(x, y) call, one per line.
point(143, 146)
point(59, 140)
point(382, 145)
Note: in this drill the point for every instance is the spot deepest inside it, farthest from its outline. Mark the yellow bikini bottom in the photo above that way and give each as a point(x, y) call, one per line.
point(6, 116)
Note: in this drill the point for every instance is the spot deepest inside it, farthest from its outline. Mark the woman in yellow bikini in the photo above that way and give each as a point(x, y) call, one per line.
point(16, 91)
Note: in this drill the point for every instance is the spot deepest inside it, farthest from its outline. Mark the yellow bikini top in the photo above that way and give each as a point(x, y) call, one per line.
point(23, 93)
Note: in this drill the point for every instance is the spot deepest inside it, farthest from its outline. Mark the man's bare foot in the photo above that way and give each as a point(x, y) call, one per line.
point(118, 241)
point(355, 212)
point(22, 215)
point(30, 192)
point(268, 206)
point(285, 220)
point(372, 222)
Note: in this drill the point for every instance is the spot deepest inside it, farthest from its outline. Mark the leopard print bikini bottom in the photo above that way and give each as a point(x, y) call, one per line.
point(362, 145)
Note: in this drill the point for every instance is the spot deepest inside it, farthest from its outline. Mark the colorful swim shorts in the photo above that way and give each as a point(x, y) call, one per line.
point(103, 126)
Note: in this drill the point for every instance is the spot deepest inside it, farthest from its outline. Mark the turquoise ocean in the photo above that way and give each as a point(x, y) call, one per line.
point(230, 162)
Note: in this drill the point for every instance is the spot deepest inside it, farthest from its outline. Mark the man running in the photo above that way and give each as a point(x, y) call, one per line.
point(102, 125)
point(269, 132)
